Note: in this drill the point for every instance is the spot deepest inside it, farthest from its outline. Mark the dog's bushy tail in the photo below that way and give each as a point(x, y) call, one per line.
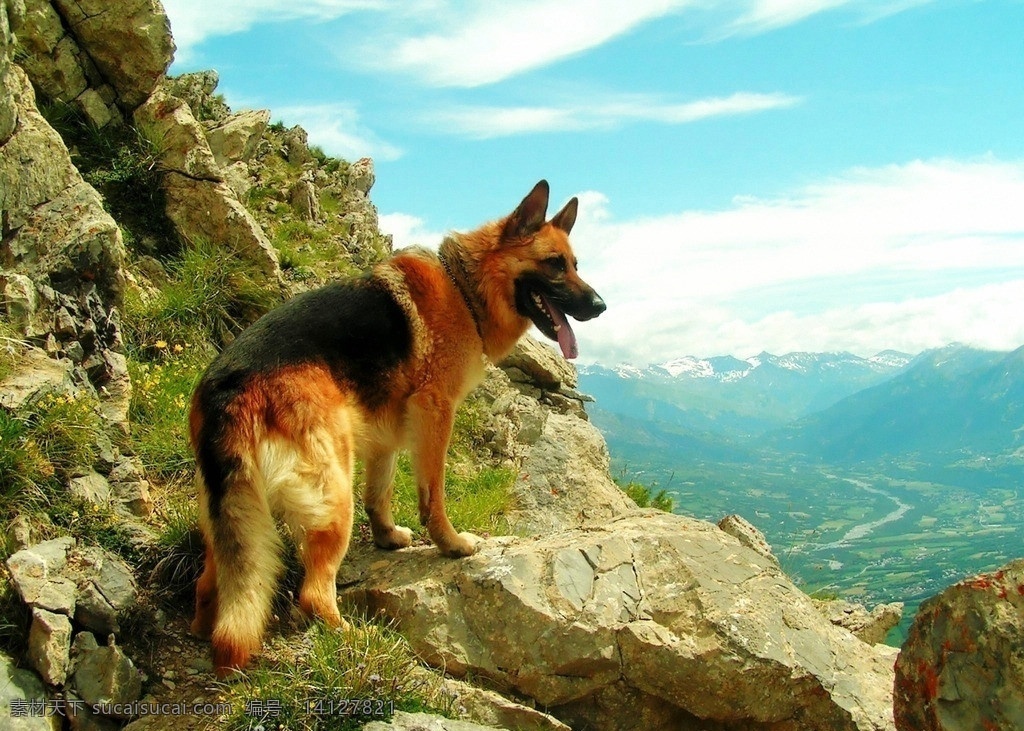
point(243, 544)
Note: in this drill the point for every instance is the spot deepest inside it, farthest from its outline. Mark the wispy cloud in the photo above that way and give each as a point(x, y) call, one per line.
point(760, 16)
point(469, 43)
point(476, 43)
point(338, 130)
point(907, 256)
point(193, 21)
point(483, 122)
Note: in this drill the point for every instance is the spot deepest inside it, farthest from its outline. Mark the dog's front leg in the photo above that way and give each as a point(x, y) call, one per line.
point(432, 417)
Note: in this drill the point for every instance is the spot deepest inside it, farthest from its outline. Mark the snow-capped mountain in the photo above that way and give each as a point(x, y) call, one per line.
point(727, 368)
point(725, 394)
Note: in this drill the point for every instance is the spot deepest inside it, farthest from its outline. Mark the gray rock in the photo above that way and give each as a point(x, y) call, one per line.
point(743, 531)
point(56, 228)
point(106, 676)
point(8, 108)
point(35, 373)
point(870, 626)
point(541, 364)
point(106, 589)
point(92, 488)
point(49, 645)
point(19, 296)
point(962, 666)
point(169, 122)
point(22, 695)
point(303, 197)
point(81, 718)
point(94, 612)
point(36, 573)
point(93, 108)
point(235, 138)
point(204, 210)
point(129, 41)
point(403, 721)
point(650, 620)
point(564, 480)
point(296, 145)
point(493, 709)
point(51, 57)
point(196, 89)
point(361, 176)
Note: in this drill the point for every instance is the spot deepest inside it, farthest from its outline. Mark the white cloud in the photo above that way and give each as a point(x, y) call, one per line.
point(470, 43)
point(906, 256)
point(475, 43)
point(485, 122)
point(337, 129)
point(193, 21)
point(408, 230)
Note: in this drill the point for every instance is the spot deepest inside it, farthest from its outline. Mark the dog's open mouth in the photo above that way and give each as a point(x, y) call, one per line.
point(549, 319)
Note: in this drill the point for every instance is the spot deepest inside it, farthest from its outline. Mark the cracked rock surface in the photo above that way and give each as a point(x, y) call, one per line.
point(652, 620)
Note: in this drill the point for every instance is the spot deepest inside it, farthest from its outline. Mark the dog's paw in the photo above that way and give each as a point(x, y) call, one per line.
point(398, 537)
point(464, 544)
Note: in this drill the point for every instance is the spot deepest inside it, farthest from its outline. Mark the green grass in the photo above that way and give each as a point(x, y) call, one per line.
point(366, 662)
point(42, 445)
point(212, 295)
point(478, 499)
point(158, 412)
point(645, 497)
point(176, 558)
point(122, 164)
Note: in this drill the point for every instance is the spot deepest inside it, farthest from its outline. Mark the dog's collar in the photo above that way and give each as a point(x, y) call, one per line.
point(465, 295)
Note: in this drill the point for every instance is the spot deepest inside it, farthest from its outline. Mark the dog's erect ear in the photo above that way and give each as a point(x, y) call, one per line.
point(527, 219)
point(566, 217)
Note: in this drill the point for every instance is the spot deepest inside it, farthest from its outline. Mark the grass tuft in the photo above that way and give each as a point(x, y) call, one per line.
point(645, 497)
point(367, 662)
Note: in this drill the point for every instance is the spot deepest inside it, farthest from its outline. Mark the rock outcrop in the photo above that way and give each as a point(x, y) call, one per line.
point(104, 58)
point(62, 256)
point(649, 620)
point(962, 666)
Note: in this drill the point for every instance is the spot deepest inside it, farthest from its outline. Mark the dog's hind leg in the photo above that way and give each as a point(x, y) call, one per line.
point(317, 505)
point(380, 480)
point(206, 594)
point(246, 551)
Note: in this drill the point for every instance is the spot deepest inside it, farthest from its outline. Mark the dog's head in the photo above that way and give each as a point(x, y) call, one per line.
point(547, 285)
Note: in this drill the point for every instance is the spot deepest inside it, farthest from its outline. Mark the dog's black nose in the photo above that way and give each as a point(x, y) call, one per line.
point(591, 306)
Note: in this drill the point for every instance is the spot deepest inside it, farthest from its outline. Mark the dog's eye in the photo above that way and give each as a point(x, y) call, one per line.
point(556, 262)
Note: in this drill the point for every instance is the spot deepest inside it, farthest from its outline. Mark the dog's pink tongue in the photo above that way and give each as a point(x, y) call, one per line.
point(566, 337)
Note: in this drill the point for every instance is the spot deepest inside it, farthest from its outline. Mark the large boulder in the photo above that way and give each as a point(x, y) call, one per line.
point(962, 666)
point(129, 41)
point(200, 205)
point(62, 255)
point(652, 620)
point(11, 12)
point(564, 479)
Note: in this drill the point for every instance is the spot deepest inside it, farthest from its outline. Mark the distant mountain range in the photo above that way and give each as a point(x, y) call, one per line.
point(733, 397)
point(954, 402)
point(958, 402)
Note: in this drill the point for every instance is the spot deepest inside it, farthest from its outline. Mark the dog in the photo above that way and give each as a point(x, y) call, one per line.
point(362, 367)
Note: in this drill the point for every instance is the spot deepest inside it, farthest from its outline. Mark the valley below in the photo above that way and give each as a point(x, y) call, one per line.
point(866, 535)
point(873, 483)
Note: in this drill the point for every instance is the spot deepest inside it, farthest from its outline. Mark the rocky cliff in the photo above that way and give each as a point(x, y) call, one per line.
point(603, 615)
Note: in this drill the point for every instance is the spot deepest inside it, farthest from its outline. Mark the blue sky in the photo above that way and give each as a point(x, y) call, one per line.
point(757, 175)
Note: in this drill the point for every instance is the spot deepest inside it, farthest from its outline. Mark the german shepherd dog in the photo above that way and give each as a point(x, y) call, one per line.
point(360, 368)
